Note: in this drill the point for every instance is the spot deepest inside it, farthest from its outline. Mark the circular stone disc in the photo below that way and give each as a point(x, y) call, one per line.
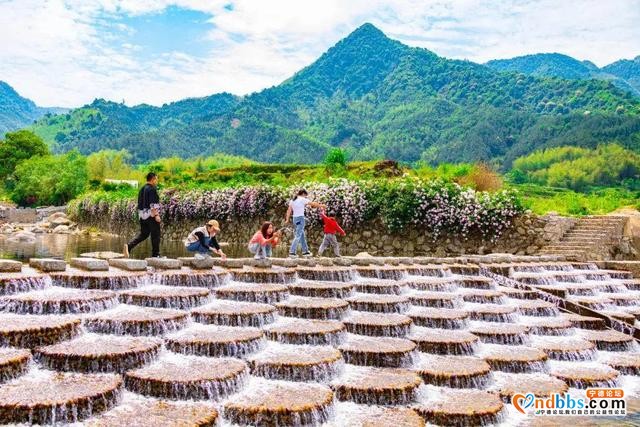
point(234, 313)
point(302, 331)
point(541, 385)
point(461, 407)
point(33, 331)
point(321, 289)
point(379, 303)
point(188, 377)
point(161, 296)
point(13, 362)
point(452, 371)
point(377, 324)
point(512, 358)
point(379, 286)
point(212, 340)
point(280, 403)
point(296, 362)
point(608, 339)
point(56, 300)
point(563, 348)
point(547, 325)
point(435, 299)
point(354, 415)
point(312, 308)
point(134, 320)
point(99, 353)
point(50, 397)
point(153, 413)
point(443, 341)
point(382, 386)
point(584, 376)
point(625, 363)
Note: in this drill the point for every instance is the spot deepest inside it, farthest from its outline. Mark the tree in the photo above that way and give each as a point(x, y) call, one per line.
point(50, 180)
point(109, 164)
point(18, 146)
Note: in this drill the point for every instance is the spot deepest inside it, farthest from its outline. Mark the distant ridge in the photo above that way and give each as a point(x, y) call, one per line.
point(376, 98)
point(17, 112)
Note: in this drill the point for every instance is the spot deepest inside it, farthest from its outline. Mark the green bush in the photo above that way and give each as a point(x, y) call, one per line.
point(49, 180)
point(17, 147)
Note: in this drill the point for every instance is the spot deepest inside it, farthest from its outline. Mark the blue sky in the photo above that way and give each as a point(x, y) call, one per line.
point(68, 52)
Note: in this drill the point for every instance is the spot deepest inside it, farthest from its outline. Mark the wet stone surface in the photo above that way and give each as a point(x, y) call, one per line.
point(99, 353)
point(152, 413)
point(415, 342)
point(461, 407)
point(215, 341)
point(47, 397)
point(453, 371)
point(281, 403)
point(181, 298)
point(13, 363)
point(234, 313)
point(377, 324)
point(297, 363)
point(377, 386)
point(189, 377)
point(134, 320)
point(541, 385)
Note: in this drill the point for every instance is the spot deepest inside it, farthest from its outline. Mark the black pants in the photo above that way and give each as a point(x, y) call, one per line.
point(148, 227)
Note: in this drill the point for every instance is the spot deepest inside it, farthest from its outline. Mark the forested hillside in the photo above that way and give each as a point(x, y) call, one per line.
point(376, 98)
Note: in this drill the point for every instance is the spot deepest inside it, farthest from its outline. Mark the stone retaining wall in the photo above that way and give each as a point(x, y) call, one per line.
point(527, 235)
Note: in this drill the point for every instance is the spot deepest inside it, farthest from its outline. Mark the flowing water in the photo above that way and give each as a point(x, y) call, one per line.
point(325, 345)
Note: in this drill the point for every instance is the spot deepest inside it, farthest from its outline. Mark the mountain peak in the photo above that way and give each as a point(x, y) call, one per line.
point(367, 30)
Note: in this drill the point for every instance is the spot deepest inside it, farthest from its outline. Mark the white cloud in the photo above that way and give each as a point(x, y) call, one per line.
point(54, 52)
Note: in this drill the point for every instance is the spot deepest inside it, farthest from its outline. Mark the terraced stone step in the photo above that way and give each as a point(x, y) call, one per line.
point(89, 264)
point(48, 265)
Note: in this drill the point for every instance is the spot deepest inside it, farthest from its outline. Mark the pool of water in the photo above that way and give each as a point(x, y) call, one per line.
point(67, 246)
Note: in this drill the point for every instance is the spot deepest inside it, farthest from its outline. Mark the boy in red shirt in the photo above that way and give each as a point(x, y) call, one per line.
point(331, 227)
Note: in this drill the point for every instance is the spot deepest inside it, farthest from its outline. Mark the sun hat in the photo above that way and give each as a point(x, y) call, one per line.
point(213, 223)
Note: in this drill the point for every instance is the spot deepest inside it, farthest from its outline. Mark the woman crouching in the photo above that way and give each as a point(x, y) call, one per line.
point(202, 240)
point(262, 243)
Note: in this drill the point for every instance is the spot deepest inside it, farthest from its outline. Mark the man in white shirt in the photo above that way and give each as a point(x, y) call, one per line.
point(296, 211)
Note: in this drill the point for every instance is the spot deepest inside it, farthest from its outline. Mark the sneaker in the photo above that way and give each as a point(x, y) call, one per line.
point(199, 256)
point(293, 256)
point(307, 254)
point(125, 251)
point(257, 257)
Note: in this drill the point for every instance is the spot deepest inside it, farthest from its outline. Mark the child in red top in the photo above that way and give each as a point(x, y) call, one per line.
point(331, 227)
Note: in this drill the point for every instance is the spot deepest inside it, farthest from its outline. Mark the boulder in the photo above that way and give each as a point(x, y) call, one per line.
point(7, 229)
point(59, 221)
point(89, 264)
point(128, 264)
point(23, 236)
point(10, 266)
point(48, 265)
point(164, 263)
point(62, 229)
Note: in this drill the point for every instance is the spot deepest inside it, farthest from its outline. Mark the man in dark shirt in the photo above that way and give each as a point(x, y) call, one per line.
point(149, 214)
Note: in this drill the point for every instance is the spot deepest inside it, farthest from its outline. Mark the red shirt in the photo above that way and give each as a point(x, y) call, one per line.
point(331, 225)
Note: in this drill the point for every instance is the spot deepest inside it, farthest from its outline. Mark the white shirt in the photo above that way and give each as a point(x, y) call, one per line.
point(298, 205)
point(192, 238)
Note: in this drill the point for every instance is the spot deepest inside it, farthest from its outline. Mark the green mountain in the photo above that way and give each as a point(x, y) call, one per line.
point(374, 97)
point(17, 112)
point(627, 69)
point(625, 74)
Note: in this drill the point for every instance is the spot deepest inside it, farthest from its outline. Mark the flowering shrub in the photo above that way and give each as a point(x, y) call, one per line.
point(435, 206)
